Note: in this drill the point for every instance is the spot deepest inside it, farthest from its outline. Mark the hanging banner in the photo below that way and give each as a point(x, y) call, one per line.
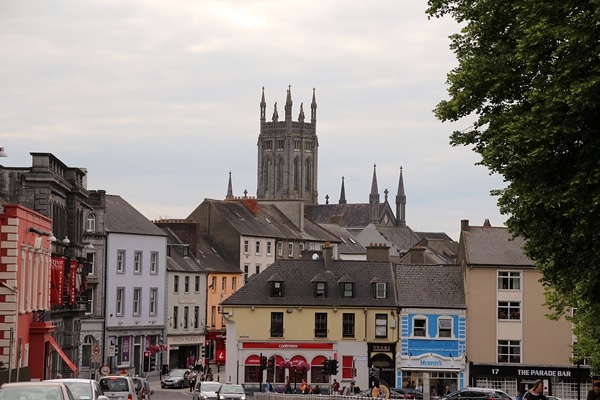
point(73, 282)
point(57, 280)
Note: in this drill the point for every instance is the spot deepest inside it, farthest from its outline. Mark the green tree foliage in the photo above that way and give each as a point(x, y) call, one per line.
point(529, 78)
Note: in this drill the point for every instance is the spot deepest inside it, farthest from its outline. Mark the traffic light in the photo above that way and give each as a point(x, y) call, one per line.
point(146, 361)
point(327, 367)
point(263, 362)
point(208, 349)
point(271, 364)
point(203, 351)
point(334, 366)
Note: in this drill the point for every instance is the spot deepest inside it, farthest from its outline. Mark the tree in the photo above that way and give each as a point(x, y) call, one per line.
point(528, 74)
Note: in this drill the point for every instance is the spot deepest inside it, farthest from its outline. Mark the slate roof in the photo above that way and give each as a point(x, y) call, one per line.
point(213, 259)
point(348, 243)
point(122, 217)
point(356, 215)
point(493, 246)
point(297, 275)
point(430, 286)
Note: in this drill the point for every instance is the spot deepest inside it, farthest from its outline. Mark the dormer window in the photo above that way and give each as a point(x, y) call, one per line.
point(276, 289)
point(347, 289)
point(380, 290)
point(321, 289)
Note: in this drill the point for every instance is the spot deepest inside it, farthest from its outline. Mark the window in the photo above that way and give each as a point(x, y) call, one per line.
point(320, 324)
point(186, 316)
point(154, 263)
point(348, 325)
point(381, 325)
point(153, 301)
point(89, 304)
point(348, 367)
point(246, 268)
point(269, 248)
point(509, 310)
point(175, 317)
point(121, 261)
point(213, 283)
point(137, 302)
point(276, 324)
point(301, 247)
point(233, 284)
point(223, 284)
point(348, 289)
point(320, 289)
point(279, 248)
point(509, 351)
point(91, 223)
point(137, 262)
point(276, 289)
point(380, 290)
point(444, 327)
point(257, 247)
point(175, 283)
point(186, 284)
point(509, 280)
point(420, 327)
point(246, 246)
point(291, 249)
point(196, 284)
point(196, 317)
point(120, 301)
point(91, 260)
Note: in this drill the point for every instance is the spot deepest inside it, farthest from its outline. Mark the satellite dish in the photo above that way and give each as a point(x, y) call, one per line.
point(315, 256)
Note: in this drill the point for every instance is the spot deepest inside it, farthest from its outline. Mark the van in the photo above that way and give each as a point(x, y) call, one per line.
point(117, 387)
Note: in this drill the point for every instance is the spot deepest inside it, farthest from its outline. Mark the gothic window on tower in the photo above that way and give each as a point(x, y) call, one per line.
point(307, 174)
point(268, 145)
point(279, 173)
point(308, 146)
point(280, 144)
point(297, 145)
point(296, 175)
point(267, 174)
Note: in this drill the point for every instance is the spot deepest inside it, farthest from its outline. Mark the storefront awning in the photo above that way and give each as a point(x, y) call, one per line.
point(62, 354)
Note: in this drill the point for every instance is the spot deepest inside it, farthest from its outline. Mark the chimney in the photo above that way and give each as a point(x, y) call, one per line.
point(464, 224)
point(378, 252)
point(328, 256)
point(417, 255)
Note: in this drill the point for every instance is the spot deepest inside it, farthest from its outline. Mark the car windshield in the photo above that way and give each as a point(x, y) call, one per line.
point(209, 387)
point(30, 392)
point(80, 390)
point(229, 389)
point(177, 372)
point(114, 385)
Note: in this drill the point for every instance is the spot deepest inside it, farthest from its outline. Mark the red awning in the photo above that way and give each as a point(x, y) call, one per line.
point(62, 354)
point(297, 359)
point(318, 360)
point(253, 360)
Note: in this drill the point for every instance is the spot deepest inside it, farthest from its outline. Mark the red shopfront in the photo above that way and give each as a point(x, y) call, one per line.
point(296, 360)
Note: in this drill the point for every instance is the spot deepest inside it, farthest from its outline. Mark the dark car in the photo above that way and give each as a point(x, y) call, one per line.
point(47, 390)
point(407, 393)
point(477, 394)
point(230, 391)
point(176, 378)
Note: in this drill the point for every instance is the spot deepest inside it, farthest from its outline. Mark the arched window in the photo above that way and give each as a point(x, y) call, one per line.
point(296, 175)
point(307, 175)
point(267, 166)
point(279, 173)
point(91, 222)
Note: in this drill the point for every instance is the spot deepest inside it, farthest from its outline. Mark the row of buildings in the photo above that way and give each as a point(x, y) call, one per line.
point(91, 285)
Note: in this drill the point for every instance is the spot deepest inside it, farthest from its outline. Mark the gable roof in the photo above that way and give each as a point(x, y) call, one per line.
point(177, 258)
point(430, 286)
point(493, 246)
point(214, 259)
point(298, 290)
point(356, 215)
point(122, 217)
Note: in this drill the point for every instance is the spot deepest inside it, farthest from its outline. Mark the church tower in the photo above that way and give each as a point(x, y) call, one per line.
point(288, 154)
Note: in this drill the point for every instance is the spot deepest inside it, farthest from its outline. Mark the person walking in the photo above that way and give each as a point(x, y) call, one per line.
point(335, 386)
point(594, 394)
point(536, 392)
point(287, 386)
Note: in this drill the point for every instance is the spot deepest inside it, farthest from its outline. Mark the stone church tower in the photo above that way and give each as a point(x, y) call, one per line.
point(288, 154)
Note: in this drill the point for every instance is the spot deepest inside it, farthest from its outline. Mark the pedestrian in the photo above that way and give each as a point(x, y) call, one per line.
point(58, 376)
point(316, 390)
point(287, 386)
point(536, 392)
point(303, 387)
point(335, 386)
point(448, 391)
point(519, 395)
point(349, 390)
point(192, 380)
point(594, 394)
point(198, 365)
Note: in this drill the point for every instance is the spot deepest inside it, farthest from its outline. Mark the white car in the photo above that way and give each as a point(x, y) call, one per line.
point(206, 390)
point(83, 389)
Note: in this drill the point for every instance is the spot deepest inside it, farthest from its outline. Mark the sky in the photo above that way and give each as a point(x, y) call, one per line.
point(159, 100)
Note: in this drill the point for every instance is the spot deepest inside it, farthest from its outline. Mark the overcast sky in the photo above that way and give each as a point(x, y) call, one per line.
point(159, 100)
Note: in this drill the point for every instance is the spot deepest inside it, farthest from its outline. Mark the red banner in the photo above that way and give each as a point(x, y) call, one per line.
point(57, 280)
point(73, 272)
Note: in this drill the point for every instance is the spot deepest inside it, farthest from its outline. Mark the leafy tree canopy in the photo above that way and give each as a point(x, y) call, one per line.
point(529, 76)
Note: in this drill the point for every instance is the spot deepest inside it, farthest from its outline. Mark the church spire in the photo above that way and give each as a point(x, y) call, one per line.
point(229, 188)
point(263, 106)
point(275, 114)
point(288, 104)
point(313, 108)
point(343, 193)
point(401, 202)
point(374, 197)
point(301, 116)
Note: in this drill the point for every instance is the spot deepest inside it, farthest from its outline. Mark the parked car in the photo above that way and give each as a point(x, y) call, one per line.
point(206, 390)
point(117, 387)
point(408, 393)
point(83, 389)
point(175, 378)
point(477, 394)
point(230, 391)
point(47, 390)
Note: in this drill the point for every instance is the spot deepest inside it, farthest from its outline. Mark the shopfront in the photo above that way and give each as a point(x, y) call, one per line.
point(565, 382)
point(432, 373)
